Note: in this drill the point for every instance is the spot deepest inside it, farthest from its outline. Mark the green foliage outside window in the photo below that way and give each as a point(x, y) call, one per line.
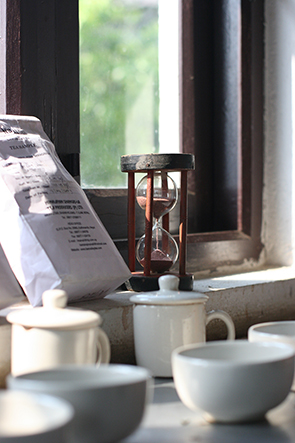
point(118, 68)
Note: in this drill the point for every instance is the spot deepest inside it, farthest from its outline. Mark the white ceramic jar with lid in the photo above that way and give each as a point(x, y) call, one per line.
point(167, 319)
point(54, 335)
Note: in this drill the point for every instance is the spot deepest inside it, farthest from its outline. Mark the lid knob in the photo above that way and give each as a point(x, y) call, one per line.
point(54, 298)
point(168, 283)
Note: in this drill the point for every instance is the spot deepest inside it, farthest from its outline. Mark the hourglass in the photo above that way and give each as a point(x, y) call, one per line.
point(164, 249)
point(157, 194)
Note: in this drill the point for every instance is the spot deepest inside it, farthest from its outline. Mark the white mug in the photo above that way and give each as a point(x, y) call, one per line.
point(168, 319)
point(51, 336)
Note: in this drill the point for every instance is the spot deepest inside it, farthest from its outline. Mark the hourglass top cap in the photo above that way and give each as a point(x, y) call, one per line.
point(156, 162)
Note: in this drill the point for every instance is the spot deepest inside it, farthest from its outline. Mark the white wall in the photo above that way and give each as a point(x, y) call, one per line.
point(279, 180)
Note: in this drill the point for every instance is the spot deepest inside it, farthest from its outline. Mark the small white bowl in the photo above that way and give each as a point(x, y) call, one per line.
point(109, 400)
point(34, 418)
point(233, 381)
point(279, 331)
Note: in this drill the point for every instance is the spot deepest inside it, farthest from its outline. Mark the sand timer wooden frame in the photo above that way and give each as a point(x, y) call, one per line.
point(151, 165)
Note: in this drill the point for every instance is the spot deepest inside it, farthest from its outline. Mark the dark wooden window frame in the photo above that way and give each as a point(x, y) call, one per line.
point(43, 80)
point(232, 247)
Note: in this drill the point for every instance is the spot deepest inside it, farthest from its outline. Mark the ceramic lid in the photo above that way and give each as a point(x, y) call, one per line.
point(54, 315)
point(169, 294)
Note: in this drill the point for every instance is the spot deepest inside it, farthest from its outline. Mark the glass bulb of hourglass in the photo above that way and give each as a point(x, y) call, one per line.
point(164, 251)
point(164, 196)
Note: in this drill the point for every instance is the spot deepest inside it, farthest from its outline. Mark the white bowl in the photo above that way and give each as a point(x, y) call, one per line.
point(278, 331)
point(109, 400)
point(233, 381)
point(34, 418)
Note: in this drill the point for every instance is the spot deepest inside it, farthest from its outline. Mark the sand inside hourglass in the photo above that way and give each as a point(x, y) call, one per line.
point(159, 262)
point(160, 205)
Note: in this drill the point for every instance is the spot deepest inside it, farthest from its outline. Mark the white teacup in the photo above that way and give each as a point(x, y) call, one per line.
point(278, 331)
point(52, 336)
point(168, 319)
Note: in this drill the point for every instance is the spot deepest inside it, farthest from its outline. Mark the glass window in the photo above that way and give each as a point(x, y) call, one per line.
point(119, 99)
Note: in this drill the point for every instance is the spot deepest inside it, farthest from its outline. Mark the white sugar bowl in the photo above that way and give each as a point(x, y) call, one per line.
point(167, 319)
point(52, 335)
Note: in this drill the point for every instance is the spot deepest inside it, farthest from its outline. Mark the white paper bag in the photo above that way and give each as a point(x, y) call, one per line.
point(49, 232)
point(10, 290)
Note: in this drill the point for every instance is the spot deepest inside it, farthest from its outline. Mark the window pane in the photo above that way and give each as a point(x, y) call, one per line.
point(118, 86)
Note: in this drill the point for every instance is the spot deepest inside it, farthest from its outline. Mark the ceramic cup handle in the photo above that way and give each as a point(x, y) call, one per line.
point(221, 315)
point(103, 348)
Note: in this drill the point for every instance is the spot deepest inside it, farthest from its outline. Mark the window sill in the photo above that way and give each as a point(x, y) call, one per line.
point(249, 298)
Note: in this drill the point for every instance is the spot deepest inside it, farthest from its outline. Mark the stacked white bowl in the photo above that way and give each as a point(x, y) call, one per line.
point(109, 400)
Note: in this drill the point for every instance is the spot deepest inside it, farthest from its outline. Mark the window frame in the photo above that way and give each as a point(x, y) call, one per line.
point(42, 74)
point(209, 251)
point(43, 80)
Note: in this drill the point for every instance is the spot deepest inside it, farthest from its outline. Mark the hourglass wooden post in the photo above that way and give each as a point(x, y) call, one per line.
point(156, 193)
